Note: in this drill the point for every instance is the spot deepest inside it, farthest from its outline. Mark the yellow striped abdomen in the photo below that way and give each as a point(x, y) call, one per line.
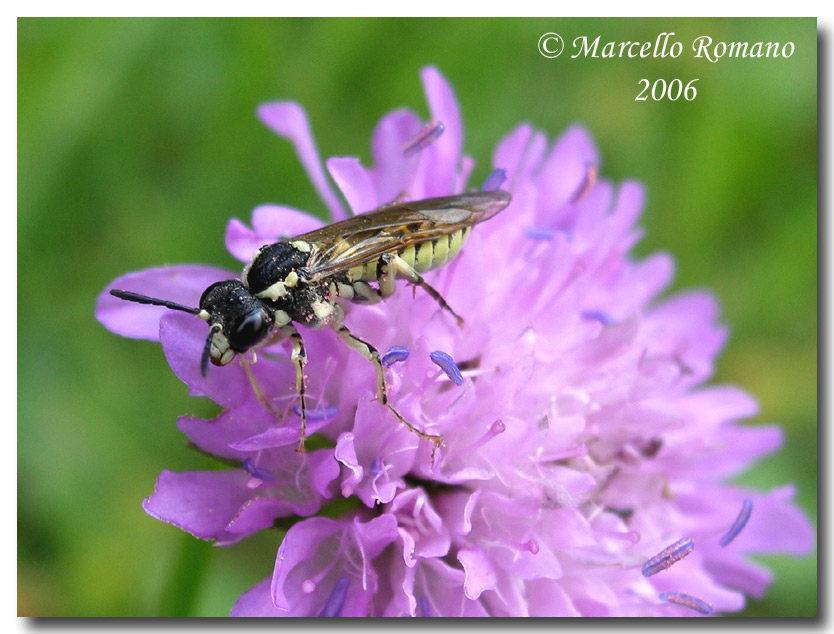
point(421, 257)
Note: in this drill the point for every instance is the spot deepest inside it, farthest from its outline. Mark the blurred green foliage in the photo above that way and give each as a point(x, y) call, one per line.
point(137, 142)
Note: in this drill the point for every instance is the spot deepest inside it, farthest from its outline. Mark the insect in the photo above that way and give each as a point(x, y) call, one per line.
point(298, 281)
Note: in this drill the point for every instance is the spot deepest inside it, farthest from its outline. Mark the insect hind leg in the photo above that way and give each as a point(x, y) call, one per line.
point(393, 266)
point(372, 355)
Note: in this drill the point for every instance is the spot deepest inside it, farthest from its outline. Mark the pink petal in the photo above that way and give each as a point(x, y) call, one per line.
point(548, 598)
point(278, 222)
point(280, 434)
point(270, 223)
point(510, 150)
point(257, 602)
point(260, 513)
point(345, 453)
point(214, 436)
point(734, 572)
point(480, 575)
point(564, 170)
point(199, 502)
point(288, 119)
point(438, 168)
point(776, 525)
point(183, 339)
point(296, 548)
point(241, 241)
point(355, 183)
point(440, 587)
point(392, 171)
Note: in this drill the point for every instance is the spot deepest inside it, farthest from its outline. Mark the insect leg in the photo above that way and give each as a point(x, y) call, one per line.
point(299, 359)
point(366, 294)
point(386, 277)
point(256, 388)
point(372, 355)
point(394, 266)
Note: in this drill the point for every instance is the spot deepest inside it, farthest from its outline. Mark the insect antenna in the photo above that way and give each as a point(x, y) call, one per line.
point(153, 301)
point(144, 299)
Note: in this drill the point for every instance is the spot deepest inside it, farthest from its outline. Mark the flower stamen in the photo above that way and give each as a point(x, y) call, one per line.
point(257, 474)
point(448, 365)
point(686, 600)
point(540, 232)
point(319, 413)
point(739, 524)
point(428, 135)
point(498, 427)
point(495, 179)
point(668, 556)
point(601, 316)
point(311, 583)
point(591, 173)
point(336, 600)
point(394, 355)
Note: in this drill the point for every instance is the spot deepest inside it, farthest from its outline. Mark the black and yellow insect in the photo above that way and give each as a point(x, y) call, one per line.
point(300, 280)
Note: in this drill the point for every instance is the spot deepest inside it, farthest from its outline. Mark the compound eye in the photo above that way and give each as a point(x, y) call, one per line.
point(249, 331)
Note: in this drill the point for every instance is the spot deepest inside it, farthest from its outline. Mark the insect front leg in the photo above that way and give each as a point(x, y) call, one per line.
point(393, 266)
point(372, 355)
point(256, 388)
point(299, 359)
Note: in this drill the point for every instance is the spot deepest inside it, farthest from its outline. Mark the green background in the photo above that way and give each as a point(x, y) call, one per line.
point(137, 141)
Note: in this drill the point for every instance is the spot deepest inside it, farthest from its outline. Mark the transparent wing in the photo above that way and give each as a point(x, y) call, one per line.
point(363, 238)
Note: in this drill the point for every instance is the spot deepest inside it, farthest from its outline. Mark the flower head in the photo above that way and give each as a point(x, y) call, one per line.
point(585, 460)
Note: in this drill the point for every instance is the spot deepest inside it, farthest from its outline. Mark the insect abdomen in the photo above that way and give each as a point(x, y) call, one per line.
point(437, 253)
point(421, 257)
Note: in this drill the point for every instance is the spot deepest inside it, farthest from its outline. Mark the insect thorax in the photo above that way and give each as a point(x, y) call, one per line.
point(274, 268)
point(276, 276)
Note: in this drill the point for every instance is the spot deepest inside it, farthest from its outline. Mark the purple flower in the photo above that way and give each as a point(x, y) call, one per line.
point(581, 438)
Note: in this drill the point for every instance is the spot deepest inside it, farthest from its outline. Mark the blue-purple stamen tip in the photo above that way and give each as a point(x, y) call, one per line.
point(428, 135)
point(423, 607)
point(686, 600)
point(319, 413)
point(668, 556)
point(448, 365)
point(601, 316)
point(495, 179)
point(540, 233)
point(336, 600)
point(251, 469)
point(394, 355)
point(739, 524)
point(537, 232)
